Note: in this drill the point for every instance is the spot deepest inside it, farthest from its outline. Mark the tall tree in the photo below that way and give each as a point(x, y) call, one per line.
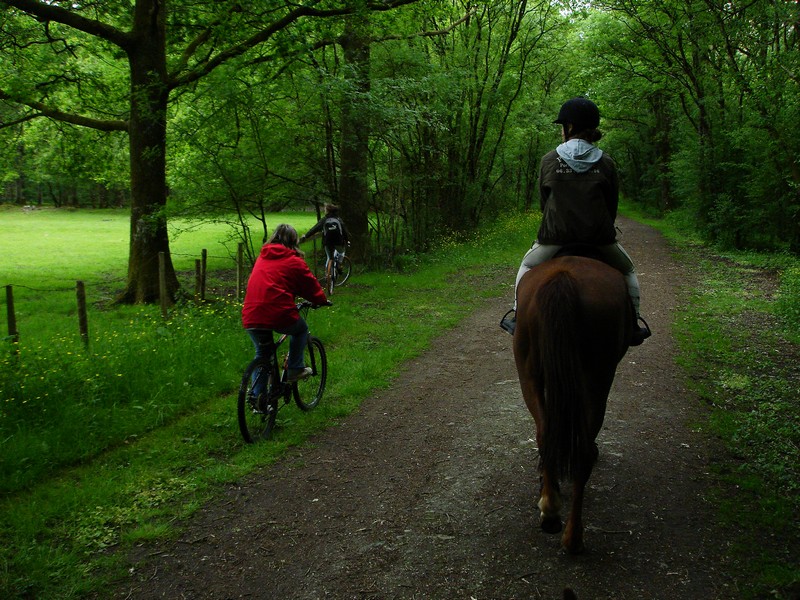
point(729, 69)
point(354, 152)
point(166, 46)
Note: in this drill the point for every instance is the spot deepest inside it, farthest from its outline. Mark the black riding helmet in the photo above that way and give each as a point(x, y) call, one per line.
point(581, 112)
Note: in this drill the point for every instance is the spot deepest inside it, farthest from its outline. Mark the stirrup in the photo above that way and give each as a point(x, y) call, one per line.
point(508, 323)
point(640, 334)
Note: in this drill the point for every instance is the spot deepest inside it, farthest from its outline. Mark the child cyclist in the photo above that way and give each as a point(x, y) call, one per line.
point(278, 277)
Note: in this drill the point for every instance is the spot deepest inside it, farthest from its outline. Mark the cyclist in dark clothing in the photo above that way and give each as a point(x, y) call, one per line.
point(579, 193)
point(334, 232)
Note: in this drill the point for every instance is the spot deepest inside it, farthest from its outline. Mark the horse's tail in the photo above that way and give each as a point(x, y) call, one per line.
point(566, 445)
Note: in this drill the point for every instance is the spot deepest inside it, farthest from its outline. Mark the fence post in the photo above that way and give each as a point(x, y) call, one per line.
point(314, 254)
point(13, 334)
point(198, 276)
point(204, 265)
point(162, 283)
point(83, 322)
point(239, 270)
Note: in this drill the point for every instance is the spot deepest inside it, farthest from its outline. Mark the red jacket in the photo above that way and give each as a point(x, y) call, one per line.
point(279, 276)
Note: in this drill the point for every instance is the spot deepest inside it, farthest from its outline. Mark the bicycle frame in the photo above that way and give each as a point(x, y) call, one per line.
point(264, 383)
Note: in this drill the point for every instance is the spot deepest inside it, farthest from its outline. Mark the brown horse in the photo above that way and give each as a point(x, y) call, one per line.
point(574, 322)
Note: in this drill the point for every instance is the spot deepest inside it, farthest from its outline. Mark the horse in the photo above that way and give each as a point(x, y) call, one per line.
point(574, 323)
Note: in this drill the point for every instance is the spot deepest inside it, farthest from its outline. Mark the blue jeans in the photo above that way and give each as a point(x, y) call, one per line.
point(262, 338)
point(329, 253)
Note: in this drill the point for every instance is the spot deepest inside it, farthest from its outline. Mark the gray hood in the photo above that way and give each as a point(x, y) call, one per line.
point(579, 154)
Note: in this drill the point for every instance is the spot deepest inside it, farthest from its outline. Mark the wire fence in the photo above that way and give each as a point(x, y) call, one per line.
point(165, 299)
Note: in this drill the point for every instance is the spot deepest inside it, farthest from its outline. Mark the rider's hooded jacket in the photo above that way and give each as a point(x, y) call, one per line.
point(279, 276)
point(579, 193)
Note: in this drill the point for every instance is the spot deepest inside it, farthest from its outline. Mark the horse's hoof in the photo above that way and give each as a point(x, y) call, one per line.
point(551, 524)
point(573, 547)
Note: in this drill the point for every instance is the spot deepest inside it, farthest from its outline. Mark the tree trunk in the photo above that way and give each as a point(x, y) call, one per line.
point(148, 134)
point(354, 153)
point(663, 150)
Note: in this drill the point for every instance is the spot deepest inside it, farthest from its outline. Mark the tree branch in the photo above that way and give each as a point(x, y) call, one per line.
point(253, 41)
point(58, 115)
point(46, 11)
point(6, 125)
point(447, 30)
point(318, 45)
point(266, 33)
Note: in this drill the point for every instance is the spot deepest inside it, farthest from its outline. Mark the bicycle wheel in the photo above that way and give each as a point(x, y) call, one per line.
point(308, 392)
point(257, 411)
point(342, 272)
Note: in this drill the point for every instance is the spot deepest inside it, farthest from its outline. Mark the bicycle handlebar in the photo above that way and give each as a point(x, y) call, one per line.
point(311, 305)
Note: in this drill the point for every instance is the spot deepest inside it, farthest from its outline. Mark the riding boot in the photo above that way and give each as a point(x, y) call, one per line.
point(640, 333)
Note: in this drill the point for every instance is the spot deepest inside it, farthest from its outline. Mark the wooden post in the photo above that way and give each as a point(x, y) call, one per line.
point(83, 322)
point(13, 334)
point(204, 260)
point(316, 258)
point(198, 277)
point(162, 284)
point(239, 270)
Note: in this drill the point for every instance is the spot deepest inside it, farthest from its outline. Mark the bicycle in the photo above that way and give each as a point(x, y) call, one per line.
point(264, 385)
point(337, 271)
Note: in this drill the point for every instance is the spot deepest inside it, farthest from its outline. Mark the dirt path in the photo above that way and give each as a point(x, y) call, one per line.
point(428, 491)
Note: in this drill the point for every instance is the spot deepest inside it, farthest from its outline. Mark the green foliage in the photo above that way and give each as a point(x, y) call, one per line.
point(698, 101)
point(63, 404)
point(788, 303)
point(739, 346)
point(699, 104)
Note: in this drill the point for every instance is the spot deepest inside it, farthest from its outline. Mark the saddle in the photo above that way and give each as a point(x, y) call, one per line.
point(578, 249)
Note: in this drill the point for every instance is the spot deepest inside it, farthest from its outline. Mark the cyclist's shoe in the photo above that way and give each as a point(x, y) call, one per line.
point(509, 321)
point(640, 334)
point(299, 374)
point(259, 401)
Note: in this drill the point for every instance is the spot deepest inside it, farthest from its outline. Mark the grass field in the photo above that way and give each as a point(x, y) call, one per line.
point(46, 251)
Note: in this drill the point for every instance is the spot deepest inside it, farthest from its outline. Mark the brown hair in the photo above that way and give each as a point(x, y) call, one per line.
point(285, 235)
point(590, 135)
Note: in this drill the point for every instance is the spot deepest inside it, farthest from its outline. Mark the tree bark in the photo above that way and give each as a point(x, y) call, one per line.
point(354, 151)
point(148, 141)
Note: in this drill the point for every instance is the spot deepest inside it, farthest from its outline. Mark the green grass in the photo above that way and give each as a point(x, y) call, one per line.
point(46, 251)
point(103, 447)
point(739, 345)
point(64, 403)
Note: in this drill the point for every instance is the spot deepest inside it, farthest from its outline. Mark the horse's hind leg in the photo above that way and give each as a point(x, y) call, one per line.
point(550, 504)
point(572, 540)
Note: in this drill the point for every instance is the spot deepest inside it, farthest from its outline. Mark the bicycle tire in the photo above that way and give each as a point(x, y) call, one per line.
point(257, 413)
point(342, 273)
point(308, 392)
